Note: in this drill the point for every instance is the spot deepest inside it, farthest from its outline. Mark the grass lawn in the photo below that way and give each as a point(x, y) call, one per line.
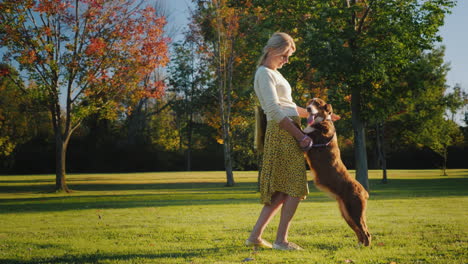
point(189, 217)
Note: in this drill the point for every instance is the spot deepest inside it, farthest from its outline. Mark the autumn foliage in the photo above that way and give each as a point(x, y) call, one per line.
point(104, 45)
point(86, 56)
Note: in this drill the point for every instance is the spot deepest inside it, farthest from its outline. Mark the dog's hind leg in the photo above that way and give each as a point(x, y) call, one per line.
point(367, 235)
point(357, 211)
point(353, 220)
point(356, 207)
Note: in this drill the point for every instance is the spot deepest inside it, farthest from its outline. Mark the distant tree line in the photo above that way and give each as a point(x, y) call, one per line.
point(377, 63)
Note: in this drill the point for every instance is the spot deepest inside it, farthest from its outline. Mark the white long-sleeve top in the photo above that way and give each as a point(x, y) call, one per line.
point(274, 93)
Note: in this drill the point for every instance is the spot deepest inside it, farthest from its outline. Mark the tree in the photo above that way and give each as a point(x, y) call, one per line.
point(13, 120)
point(443, 133)
point(355, 46)
point(361, 45)
point(86, 57)
point(425, 107)
point(188, 78)
point(219, 28)
point(424, 75)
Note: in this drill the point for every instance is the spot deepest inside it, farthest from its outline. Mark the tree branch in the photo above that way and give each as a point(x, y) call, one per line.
point(361, 23)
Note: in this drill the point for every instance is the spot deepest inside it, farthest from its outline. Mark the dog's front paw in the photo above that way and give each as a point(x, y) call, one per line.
point(309, 129)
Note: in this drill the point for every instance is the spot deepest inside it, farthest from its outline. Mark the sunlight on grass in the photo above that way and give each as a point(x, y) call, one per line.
point(190, 217)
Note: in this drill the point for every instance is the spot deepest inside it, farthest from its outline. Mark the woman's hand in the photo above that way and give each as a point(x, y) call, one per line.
point(305, 143)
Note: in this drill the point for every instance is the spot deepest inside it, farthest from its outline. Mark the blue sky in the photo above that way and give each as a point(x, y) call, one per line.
point(455, 39)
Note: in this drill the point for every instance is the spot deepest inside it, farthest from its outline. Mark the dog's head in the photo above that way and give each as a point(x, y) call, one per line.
point(319, 111)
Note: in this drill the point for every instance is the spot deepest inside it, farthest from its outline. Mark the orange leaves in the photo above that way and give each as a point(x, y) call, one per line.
point(47, 31)
point(226, 19)
point(96, 47)
point(347, 98)
point(51, 7)
point(95, 9)
point(111, 47)
point(94, 4)
point(154, 90)
point(27, 57)
point(141, 37)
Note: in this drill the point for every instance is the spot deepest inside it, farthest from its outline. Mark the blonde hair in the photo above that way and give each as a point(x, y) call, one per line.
point(280, 42)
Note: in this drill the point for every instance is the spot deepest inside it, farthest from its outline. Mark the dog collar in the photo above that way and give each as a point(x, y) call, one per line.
point(323, 145)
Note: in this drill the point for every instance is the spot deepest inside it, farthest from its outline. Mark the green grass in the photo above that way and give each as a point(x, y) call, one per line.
point(190, 217)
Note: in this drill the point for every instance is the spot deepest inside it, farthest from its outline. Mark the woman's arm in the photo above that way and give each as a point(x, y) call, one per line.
point(268, 97)
point(302, 112)
point(305, 142)
point(265, 89)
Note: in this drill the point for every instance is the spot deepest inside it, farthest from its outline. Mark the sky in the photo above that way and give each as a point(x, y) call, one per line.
point(455, 39)
point(454, 35)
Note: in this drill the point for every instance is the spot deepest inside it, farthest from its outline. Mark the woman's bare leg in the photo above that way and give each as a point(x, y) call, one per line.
point(266, 215)
point(287, 212)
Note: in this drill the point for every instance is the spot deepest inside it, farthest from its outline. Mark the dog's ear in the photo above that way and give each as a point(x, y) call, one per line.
point(335, 117)
point(328, 108)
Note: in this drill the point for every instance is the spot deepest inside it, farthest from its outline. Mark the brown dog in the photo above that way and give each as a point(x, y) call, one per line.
point(331, 174)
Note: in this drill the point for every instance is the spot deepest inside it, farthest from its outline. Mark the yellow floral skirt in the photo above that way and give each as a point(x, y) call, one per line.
point(283, 167)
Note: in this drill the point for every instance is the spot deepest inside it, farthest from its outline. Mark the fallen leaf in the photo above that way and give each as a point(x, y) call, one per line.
point(349, 261)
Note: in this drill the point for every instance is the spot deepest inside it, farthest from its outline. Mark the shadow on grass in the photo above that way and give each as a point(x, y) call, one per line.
point(183, 194)
point(410, 188)
point(100, 257)
point(125, 201)
point(51, 181)
point(182, 186)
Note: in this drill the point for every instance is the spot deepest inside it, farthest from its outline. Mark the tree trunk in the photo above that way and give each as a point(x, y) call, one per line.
point(188, 152)
point(225, 130)
point(381, 150)
point(228, 163)
point(223, 48)
point(359, 139)
point(226, 143)
point(188, 159)
point(444, 164)
point(60, 164)
point(190, 105)
point(136, 125)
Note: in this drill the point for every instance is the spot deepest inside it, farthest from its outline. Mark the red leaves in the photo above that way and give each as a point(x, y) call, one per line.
point(4, 72)
point(47, 31)
point(95, 4)
point(155, 90)
point(51, 7)
point(112, 46)
point(96, 47)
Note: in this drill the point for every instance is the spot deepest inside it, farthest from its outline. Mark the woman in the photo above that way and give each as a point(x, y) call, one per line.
point(283, 180)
